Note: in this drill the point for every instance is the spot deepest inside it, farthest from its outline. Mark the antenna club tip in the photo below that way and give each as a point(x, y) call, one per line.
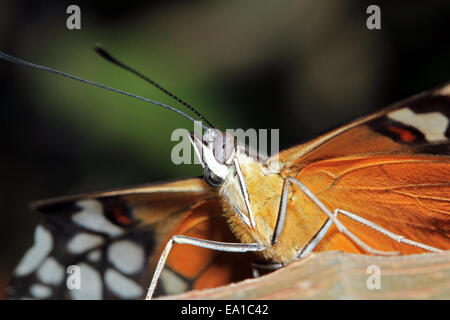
point(98, 47)
point(103, 53)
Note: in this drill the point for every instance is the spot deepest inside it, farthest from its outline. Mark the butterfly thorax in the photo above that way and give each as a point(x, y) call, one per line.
point(264, 183)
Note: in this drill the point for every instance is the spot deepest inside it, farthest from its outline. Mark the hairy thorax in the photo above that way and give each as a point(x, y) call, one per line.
point(264, 185)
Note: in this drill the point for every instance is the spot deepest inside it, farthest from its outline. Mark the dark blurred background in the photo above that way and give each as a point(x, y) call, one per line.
point(300, 66)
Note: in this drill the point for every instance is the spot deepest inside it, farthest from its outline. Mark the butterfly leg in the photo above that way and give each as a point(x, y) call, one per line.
point(386, 232)
point(213, 245)
point(341, 228)
point(256, 266)
point(307, 249)
point(314, 241)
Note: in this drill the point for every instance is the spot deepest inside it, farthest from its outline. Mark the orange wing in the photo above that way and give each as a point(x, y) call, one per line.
point(114, 237)
point(383, 133)
point(409, 196)
point(190, 267)
point(392, 167)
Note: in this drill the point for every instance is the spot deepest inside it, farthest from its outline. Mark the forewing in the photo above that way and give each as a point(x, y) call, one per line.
point(112, 240)
point(409, 196)
point(418, 125)
point(391, 167)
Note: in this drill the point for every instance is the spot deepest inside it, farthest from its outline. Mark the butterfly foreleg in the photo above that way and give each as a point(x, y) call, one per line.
point(213, 245)
point(333, 219)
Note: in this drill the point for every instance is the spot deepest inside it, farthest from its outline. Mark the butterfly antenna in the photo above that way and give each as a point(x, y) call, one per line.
point(103, 53)
point(12, 59)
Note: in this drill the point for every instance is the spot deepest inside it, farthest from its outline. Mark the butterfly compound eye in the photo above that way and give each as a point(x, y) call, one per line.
point(223, 147)
point(211, 178)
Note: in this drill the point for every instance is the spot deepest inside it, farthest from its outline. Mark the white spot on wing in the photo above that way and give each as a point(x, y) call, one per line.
point(94, 256)
point(39, 291)
point(91, 217)
point(121, 285)
point(172, 283)
point(43, 244)
point(91, 284)
point(83, 242)
point(127, 256)
point(433, 124)
point(51, 272)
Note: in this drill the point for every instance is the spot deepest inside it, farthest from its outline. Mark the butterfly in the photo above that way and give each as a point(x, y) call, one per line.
point(377, 185)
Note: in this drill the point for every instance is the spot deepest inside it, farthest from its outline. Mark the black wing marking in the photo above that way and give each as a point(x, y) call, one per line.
point(109, 260)
point(100, 245)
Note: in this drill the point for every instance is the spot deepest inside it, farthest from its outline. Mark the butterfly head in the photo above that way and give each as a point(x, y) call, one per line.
point(216, 151)
point(228, 166)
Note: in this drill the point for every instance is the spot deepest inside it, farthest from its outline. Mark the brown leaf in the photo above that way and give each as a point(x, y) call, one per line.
point(338, 275)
